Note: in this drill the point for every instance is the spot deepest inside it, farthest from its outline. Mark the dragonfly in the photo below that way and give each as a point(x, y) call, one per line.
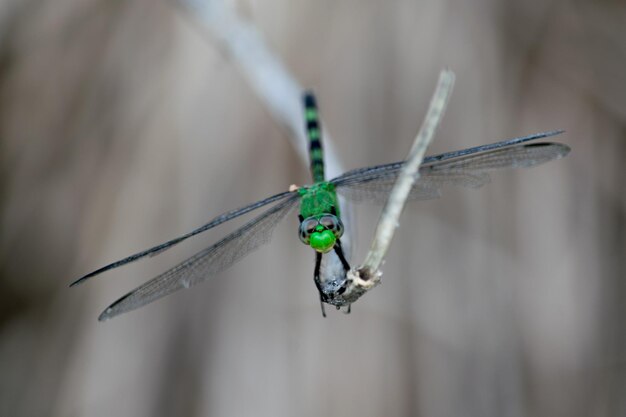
point(320, 223)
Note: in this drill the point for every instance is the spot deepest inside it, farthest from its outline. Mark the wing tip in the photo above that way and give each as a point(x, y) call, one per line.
point(105, 268)
point(83, 278)
point(541, 135)
point(563, 149)
point(110, 311)
point(555, 132)
point(105, 315)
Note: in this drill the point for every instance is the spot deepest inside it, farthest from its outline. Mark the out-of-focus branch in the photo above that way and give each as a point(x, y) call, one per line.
point(262, 69)
point(362, 279)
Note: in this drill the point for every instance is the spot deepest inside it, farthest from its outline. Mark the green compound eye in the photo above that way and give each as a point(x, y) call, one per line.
point(333, 224)
point(306, 228)
point(322, 241)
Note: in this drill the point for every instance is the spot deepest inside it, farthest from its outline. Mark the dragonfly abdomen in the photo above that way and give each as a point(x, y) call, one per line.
point(314, 133)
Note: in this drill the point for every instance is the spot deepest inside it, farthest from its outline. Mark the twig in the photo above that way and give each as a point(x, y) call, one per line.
point(362, 279)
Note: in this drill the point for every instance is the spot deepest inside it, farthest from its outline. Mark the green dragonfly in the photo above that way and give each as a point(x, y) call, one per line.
point(321, 227)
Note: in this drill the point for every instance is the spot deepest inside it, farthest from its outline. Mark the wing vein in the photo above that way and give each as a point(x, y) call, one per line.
point(155, 250)
point(207, 262)
point(466, 168)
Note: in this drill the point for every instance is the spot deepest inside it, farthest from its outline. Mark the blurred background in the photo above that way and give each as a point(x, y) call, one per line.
point(122, 125)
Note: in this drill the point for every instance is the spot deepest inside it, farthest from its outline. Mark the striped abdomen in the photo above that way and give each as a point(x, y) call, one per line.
point(314, 133)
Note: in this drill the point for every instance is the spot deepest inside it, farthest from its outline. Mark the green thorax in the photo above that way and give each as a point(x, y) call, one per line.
point(318, 199)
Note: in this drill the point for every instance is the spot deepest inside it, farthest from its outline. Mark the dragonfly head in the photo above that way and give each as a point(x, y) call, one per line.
point(321, 232)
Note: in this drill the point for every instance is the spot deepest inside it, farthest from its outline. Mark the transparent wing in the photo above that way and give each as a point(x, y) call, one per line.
point(465, 168)
point(155, 250)
point(427, 187)
point(207, 262)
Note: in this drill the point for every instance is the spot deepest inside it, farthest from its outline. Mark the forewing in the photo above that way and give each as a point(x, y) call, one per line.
point(155, 250)
point(466, 170)
point(428, 185)
point(207, 262)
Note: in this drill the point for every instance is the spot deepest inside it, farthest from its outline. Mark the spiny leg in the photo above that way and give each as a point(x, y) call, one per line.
point(318, 282)
point(342, 258)
point(346, 267)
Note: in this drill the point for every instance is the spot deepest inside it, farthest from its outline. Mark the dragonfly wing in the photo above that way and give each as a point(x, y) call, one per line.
point(207, 262)
point(155, 250)
point(427, 187)
point(466, 168)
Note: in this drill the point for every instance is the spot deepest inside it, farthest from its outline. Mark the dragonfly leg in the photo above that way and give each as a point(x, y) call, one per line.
point(318, 282)
point(322, 306)
point(342, 258)
point(347, 310)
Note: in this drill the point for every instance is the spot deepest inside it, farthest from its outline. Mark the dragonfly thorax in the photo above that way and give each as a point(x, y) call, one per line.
point(321, 232)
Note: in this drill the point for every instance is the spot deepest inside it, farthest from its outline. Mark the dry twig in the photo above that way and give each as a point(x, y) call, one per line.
point(361, 279)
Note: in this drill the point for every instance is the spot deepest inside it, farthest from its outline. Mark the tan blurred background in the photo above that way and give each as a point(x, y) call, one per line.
point(121, 125)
